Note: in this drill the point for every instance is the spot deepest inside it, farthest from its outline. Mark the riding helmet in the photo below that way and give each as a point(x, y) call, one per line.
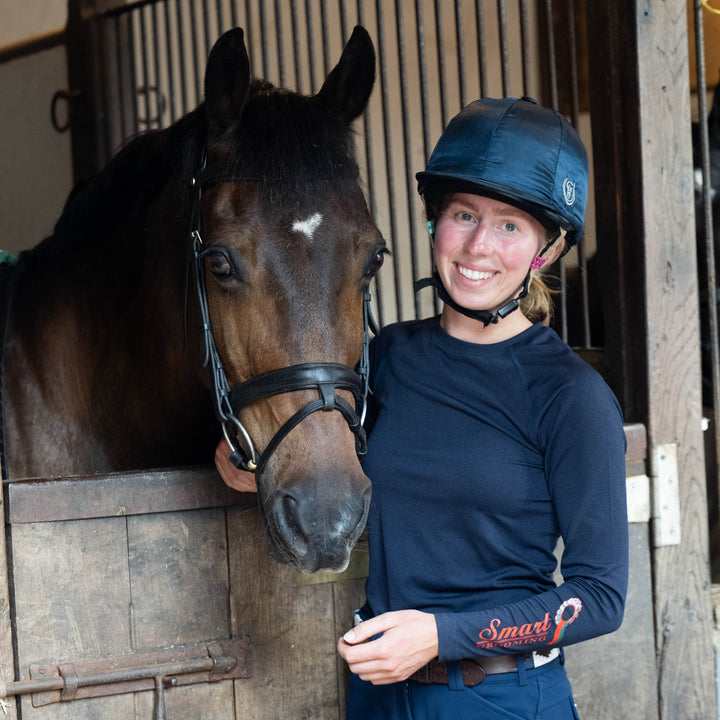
point(516, 151)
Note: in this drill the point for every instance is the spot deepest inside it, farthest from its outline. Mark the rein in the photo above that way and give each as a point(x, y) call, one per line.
point(326, 378)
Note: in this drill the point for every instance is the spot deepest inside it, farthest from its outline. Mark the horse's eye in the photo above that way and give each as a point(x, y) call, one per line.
point(376, 262)
point(219, 264)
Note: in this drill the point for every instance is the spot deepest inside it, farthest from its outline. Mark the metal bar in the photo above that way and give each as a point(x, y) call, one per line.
point(460, 52)
point(441, 63)
point(482, 54)
point(311, 46)
point(171, 74)
point(159, 98)
point(181, 58)
point(144, 85)
point(296, 44)
point(504, 56)
point(575, 118)
point(387, 133)
point(100, 677)
point(280, 50)
point(524, 44)
point(425, 112)
point(407, 146)
point(195, 53)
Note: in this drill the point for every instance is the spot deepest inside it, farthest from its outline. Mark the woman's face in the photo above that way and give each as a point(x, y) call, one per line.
point(483, 249)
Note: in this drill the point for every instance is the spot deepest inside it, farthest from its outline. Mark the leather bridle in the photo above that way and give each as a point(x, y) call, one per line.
point(325, 378)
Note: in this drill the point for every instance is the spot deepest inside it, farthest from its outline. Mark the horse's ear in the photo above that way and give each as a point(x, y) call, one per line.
point(227, 79)
point(347, 88)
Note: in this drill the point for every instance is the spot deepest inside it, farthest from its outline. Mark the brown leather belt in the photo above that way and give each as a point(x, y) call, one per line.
point(474, 671)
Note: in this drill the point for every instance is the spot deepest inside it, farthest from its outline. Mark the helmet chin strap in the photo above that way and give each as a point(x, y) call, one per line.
point(485, 316)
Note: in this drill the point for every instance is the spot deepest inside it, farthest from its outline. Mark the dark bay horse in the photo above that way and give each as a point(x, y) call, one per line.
point(112, 359)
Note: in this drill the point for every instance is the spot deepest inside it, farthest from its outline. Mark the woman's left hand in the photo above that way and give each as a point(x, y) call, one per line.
point(408, 640)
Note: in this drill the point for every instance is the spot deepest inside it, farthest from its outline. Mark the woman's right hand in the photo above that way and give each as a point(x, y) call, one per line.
point(240, 480)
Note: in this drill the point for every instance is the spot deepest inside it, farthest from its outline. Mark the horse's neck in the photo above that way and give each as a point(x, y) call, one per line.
point(96, 368)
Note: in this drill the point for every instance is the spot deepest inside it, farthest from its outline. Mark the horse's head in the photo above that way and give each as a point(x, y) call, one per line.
point(288, 249)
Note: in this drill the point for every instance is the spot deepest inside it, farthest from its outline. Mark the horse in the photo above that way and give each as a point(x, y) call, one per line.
point(212, 276)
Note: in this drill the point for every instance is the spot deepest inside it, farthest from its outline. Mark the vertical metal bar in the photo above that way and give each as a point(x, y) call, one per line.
point(325, 38)
point(279, 44)
point(121, 75)
point(370, 169)
point(502, 25)
point(551, 59)
point(407, 147)
point(441, 63)
point(195, 59)
point(159, 97)
point(181, 59)
point(460, 52)
point(343, 21)
point(144, 69)
point(711, 278)
point(133, 75)
point(208, 41)
point(171, 69)
point(388, 154)
point(552, 78)
point(104, 61)
point(296, 44)
point(233, 14)
point(425, 113)
point(311, 46)
point(482, 54)
point(263, 40)
point(524, 45)
point(220, 17)
point(575, 118)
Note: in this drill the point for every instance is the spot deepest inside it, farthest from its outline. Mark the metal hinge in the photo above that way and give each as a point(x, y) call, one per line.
point(666, 495)
point(157, 670)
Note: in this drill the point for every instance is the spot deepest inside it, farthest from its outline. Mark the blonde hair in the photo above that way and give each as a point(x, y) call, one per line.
point(538, 305)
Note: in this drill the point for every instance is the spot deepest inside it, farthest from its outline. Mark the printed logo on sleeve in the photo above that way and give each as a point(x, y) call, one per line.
point(545, 631)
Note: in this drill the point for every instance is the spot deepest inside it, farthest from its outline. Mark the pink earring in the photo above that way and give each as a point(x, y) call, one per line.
point(537, 263)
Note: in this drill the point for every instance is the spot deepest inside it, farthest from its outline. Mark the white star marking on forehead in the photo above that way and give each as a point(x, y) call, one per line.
point(309, 226)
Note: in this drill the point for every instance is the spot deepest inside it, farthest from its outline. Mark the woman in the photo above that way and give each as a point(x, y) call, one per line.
point(490, 439)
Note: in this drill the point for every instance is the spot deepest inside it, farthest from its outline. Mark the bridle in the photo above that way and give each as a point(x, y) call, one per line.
point(325, 378)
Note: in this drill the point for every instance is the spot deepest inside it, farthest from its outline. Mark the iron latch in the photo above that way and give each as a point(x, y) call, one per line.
point(156, 670)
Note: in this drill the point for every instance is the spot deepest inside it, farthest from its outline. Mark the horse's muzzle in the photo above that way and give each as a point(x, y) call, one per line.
point(313, 533)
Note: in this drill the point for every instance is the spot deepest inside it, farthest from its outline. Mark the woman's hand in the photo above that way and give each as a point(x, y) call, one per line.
point(233, 477)
point(408, 640)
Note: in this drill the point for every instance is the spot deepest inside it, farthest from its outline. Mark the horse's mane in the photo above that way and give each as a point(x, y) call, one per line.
point(294, 144)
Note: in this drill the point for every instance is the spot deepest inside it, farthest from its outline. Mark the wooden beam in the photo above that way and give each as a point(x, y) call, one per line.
point(640, 52)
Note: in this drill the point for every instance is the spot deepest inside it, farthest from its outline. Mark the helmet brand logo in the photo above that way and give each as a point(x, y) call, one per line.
point(569, 191)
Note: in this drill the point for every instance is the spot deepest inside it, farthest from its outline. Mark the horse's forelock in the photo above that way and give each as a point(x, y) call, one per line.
point(292, 144)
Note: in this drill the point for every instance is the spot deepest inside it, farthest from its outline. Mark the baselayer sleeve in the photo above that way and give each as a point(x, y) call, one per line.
point(584, 448)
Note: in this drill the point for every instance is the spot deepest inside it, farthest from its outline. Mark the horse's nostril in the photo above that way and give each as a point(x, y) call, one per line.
point(285, 511)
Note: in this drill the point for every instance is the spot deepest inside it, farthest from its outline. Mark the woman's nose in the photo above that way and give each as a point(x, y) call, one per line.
point(481, 242)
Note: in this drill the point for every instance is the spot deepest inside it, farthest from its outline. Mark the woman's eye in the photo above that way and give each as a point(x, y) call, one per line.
point(465, 217)
point(219, 264)
point(510, 227)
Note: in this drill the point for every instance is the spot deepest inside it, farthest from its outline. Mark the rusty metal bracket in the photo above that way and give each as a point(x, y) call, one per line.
point(157, 670)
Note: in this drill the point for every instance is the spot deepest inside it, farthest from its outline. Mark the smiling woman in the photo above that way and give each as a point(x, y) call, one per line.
point(483, 248)
point(462, 526)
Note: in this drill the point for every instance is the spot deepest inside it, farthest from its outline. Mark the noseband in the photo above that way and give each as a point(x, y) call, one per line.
point(325, 378)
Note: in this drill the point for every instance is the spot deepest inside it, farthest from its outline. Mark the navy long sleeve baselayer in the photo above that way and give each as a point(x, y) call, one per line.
point(481, 456)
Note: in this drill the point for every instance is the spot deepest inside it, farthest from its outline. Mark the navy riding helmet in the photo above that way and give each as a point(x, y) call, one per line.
point(516, 151)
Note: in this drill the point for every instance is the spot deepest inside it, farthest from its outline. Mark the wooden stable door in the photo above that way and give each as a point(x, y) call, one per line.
point(159, 586)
